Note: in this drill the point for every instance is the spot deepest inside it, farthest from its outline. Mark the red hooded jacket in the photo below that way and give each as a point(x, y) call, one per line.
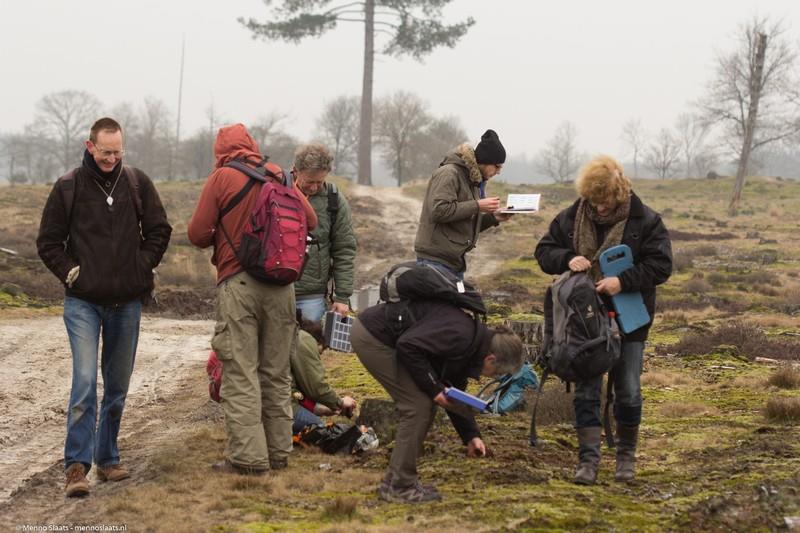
point(233, 142)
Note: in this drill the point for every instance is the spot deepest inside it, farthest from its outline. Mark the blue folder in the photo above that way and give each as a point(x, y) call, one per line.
point(629, 306)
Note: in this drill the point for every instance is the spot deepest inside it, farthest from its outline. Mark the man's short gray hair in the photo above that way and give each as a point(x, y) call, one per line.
point(314, 157)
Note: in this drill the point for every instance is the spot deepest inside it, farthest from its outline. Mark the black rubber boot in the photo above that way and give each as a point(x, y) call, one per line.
point(627, 437)
point(588, 455)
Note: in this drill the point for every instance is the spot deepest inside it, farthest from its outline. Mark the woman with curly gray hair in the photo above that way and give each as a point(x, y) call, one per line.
point(609, 213)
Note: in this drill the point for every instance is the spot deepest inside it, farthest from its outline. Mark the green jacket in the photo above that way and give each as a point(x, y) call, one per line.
point(330, 259)
point(308, 373)
point(450, 221)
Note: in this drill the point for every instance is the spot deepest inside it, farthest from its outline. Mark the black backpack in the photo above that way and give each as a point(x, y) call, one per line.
point(581, 338)
point(410, 281)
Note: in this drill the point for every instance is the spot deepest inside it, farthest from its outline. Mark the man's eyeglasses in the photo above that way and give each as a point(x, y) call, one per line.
point(108, 153)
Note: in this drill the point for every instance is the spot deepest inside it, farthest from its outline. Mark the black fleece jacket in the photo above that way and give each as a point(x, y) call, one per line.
point(648, 239)
point(444, 346)
point(115, 250)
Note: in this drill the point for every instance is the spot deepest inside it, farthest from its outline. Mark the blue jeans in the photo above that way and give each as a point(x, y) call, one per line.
point(627, 391)
point(441, 267)
point(313, 308)
point(302, 418)
point(119, 327)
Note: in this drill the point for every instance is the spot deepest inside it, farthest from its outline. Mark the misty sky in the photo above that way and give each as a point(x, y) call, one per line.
point(525, 66)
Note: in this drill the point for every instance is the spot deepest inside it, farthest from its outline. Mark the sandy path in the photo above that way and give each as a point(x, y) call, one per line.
point(402, 213)
point(37, 369)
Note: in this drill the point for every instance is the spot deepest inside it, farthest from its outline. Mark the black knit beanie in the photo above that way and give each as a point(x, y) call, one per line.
point(489, 151)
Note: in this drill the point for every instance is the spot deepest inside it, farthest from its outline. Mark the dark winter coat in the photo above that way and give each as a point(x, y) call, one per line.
point(443, 346)
point(116, 251)
point(647, 237)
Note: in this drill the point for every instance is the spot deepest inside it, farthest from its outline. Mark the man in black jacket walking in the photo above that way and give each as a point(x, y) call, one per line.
point(608, 213)
point(103, 231)
point(443, 346)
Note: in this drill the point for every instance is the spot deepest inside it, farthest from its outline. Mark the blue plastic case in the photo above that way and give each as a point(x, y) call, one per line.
point(631, 312)
point(466, 398)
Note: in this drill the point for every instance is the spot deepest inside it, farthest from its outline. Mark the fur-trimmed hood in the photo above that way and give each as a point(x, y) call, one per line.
point(464, 156)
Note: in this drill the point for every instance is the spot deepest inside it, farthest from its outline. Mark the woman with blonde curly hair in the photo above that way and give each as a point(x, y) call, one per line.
point(609, 213)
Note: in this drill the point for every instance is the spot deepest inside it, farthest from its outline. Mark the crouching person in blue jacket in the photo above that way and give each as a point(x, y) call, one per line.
point(443, 345)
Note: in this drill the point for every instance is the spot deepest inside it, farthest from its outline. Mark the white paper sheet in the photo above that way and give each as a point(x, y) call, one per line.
point(522, 203)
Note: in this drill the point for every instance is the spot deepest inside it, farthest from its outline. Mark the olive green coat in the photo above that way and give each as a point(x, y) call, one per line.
point(330, 258)
point(450, 221)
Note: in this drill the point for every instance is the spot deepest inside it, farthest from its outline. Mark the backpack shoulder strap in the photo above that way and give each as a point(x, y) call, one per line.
point(256, 175)
point(68, 193)
point(533, 438)
point(333, 206)
point(136, 195)
point(607, 411)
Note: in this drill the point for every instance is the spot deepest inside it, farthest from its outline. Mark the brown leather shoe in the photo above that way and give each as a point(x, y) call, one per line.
point(77, 484)
point(112, 473)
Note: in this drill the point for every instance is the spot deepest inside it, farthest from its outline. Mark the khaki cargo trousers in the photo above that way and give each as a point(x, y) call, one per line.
point(416, 409)
point(254, 336)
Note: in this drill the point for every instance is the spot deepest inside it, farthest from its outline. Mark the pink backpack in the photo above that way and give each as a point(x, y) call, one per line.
point(273, 245)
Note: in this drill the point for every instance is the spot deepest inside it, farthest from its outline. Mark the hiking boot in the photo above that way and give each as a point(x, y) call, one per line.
point(112, 473)
point(227, 467)
point(416, 493)
point(627, 437)
point(279, 464)
point(588, 455)
point(77, 484)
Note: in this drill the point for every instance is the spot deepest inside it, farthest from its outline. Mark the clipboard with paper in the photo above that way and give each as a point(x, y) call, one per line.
point(522, 203)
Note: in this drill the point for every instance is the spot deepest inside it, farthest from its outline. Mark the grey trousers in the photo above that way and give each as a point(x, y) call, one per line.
point(416, 409)
point(254, 337)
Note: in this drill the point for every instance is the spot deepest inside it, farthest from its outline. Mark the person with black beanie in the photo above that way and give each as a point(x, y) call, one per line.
point(456, 209)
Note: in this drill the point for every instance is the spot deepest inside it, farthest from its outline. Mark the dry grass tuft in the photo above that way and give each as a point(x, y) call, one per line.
point(783, 410)
point(666, 378)
point(343, 507)
point(748, 339)
point(786, 377)
point(686, 409)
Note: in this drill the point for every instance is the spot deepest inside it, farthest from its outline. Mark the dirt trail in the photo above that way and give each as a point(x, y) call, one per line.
point(166, 389)
point(401, 212)
point(36, 363)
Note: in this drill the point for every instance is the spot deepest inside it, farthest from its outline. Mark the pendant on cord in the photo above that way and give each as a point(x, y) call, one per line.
point(110, 201)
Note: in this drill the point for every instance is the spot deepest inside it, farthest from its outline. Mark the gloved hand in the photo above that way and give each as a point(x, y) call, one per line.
point(72, 275)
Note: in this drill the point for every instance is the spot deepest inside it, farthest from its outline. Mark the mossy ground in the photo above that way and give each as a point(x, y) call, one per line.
point(709, 459)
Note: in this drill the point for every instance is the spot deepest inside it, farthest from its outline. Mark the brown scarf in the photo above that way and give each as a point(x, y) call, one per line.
point(584, 237)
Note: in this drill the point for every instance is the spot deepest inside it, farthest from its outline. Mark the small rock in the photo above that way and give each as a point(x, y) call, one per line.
point(325, 466)
point(792, 522)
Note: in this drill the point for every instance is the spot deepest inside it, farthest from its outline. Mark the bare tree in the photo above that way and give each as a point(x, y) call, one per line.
point(560, 158)
point(265, 127)
point(440, 136)
point(338, 128)
point(400, 118)
point(413, 27)
point(754, 94)
point(66, 117)
point(635, 138)
point(691, 136)
point(663, 154)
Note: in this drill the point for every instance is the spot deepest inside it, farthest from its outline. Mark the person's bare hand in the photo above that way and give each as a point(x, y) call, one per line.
point(341, 308)
point(610, 286)
point(442, 400)
point(476, 448)
point(489, 205)
point(503, 217)
point(347, 406)
point(579, 264)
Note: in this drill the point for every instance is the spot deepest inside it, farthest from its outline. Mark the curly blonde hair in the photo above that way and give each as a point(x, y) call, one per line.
point(602, 181)
point(314, 157)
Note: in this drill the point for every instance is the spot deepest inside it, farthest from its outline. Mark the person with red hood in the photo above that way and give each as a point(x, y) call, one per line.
point(256, 329)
